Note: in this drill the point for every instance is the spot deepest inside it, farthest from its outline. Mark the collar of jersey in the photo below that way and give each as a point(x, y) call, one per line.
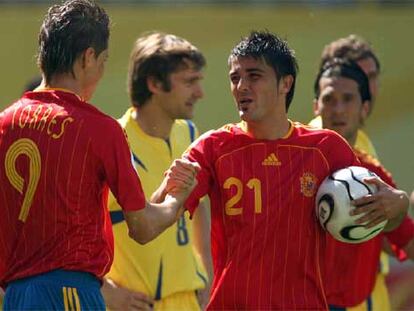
point(51, 89)
point(128, 122)
point(243, 126)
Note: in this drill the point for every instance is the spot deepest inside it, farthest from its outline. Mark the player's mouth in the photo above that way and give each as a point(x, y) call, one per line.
point(244, 103)
point(338, 123)
point(190, 104)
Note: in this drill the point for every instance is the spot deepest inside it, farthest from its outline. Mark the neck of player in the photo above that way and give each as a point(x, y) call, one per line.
point(270, 129)
point(153, 120)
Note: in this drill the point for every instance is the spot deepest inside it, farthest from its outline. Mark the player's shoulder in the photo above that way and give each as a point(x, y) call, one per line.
point(185, 127)
point(102, 125)
point(366, 158)
point(314, 134)
point(224, 133)
point(373, 164)
point(184, 124)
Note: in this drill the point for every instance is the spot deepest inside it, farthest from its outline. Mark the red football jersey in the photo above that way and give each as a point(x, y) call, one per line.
point(266, 240)
point(404, 233)
point(352, 268)
point(58, 155)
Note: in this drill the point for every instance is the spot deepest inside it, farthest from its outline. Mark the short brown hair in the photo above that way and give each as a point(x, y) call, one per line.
point(353, 47)
point(157, 55)
point(68, 30)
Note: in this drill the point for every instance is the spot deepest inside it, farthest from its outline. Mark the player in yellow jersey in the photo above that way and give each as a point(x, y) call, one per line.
point(164, 83)
point(359, 50)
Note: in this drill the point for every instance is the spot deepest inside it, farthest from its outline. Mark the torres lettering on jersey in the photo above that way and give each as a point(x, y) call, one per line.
point(41, 118)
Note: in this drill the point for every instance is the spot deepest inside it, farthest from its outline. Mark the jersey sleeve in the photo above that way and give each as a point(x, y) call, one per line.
point(200, 152)
point(338, 152)
point(376, 167)
point(400, 237)
point(119, 171)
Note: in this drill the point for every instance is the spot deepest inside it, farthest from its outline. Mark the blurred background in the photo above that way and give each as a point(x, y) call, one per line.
point(215, 26)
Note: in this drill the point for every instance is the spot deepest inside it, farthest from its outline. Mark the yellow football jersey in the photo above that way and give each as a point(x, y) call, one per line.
point(362, 142)
point(168, 264)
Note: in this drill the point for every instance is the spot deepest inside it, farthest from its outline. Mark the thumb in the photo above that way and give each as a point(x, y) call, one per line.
point(196, 166)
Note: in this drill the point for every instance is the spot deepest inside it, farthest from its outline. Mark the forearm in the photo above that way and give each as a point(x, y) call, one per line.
point(145, 225)
point(109, 293)
point(159, 194)
point(120, 298)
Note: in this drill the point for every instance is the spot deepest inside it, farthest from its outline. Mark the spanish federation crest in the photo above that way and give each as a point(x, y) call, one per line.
point(308, 184)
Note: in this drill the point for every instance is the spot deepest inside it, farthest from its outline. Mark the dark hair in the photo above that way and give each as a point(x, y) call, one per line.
point(157, 55)
point(353, 47)
point(68, 30)
point(344, 68)
point(276, 53)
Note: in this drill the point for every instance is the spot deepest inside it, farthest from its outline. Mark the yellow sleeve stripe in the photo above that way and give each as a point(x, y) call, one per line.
point(65, 299)
point(77, 302)
point(71, 299)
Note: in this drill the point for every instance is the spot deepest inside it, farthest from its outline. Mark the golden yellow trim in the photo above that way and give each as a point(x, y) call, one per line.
point(65, 298)
point(27, 147)
point(291, 127)
point(309, 148)
point(77, 302)
point(243, 126)
point(70, 297)
point(49, 89)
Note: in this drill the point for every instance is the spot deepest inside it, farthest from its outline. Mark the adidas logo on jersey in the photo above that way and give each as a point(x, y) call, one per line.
point(271, 160)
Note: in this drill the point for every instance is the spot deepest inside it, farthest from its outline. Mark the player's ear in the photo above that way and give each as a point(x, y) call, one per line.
point(365, 109)
point(154, 85)
point(285, 84)
point(88, 57)
point(316, 110)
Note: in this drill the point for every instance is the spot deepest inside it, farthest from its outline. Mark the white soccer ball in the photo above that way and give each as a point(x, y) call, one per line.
point(333, 204)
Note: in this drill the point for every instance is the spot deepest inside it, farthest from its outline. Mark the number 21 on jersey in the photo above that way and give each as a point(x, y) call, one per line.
point(252, 184)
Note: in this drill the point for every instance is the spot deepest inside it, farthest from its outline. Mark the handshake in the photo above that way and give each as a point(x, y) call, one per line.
point(179, 180)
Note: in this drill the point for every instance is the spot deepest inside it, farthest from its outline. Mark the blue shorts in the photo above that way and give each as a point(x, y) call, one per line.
point(55, 290)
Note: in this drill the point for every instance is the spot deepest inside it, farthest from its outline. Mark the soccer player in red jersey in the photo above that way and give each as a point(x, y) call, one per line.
point(60, 155)
point(342, 98)
point(262, 175)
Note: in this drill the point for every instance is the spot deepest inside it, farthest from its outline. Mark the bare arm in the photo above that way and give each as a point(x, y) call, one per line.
point(146, 224)
point(201, 231)
point(387, 204)
point(119, 298)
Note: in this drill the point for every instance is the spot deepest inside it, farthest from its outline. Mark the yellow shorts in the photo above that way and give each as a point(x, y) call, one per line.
point(378, 301)
point(177, 302)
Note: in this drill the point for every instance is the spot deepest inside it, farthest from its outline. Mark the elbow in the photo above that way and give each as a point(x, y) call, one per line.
point(141, 236)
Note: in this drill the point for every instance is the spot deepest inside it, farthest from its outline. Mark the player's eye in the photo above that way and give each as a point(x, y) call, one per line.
point(254, 76)
point(234, 79)
point(327, 99)
point(348, 98)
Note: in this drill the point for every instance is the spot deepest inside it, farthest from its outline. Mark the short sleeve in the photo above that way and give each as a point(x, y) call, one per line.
point(200, 151)
point(120, 173)
point(338, 152)
point(401, 235)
